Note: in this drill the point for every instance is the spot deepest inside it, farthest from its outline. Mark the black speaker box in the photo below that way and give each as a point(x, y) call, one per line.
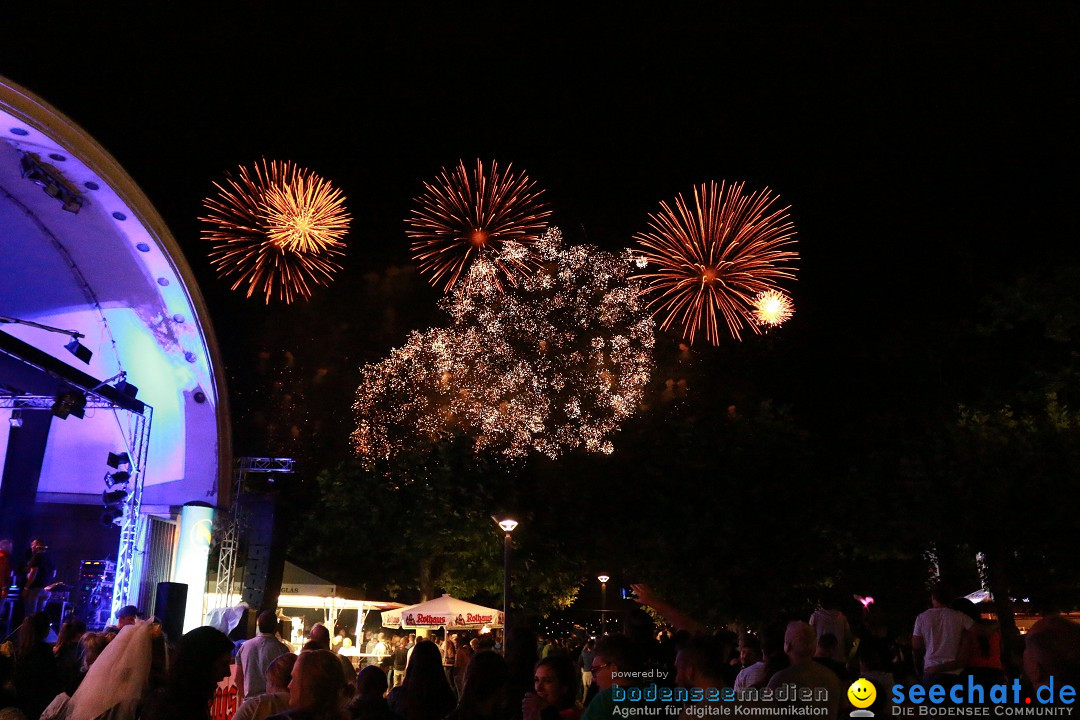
point(169, 607)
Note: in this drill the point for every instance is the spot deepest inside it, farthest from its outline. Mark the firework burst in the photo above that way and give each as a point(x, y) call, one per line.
point(773, 308)
point(556, 364)
point(709, 260)
point(276, 229)
point(462, 216)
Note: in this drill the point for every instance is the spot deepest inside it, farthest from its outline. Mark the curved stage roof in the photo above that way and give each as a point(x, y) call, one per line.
point(111, 271)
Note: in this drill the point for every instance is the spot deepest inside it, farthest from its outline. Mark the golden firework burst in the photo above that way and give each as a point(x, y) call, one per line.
point(276, 229)
point(773, 308)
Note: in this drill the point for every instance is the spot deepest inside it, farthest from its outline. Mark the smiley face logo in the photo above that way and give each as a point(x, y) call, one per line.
point(862, 693)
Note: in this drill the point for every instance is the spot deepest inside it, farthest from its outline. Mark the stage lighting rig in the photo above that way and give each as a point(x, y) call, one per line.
point(71, 402)
point(117, 459)
point(74, 347)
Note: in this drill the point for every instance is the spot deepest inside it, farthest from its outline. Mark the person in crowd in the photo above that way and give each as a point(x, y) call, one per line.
point(90, 647)
point(255, 656)
point(369, 703)
point(6, 567)
point(554, 695)
point(800, 642)
point(585, 659)
point(462, 658)
point(825, 655)
point(829, 619)
point(483, 696)
point(449, 650)
point(317, 688)
point(753, 667)
point(36, 678)
point(201, 661)
point(1052, 651)
point(276, 698)
point(984, 645)
point(118, 680)
point(126, 615)
point(424, 694)
point(614, 664)
point(68, 651)
point(401, 661)
point(940, 641)
point(772, 650)
point(701, 663)
point(39, 573)
point(320, 636)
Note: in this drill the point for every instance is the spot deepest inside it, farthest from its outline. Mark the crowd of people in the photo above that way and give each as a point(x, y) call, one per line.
point(133, 671)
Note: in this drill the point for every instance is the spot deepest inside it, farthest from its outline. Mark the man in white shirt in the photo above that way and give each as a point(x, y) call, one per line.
point(939, 641)
point(255, 655)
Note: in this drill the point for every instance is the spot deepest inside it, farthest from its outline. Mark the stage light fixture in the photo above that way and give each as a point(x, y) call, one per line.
point(111, 516)
point(71, 402)
point(113, 498)
point(79, 350)
point(16, 418)
point(117, 459)
point(127, 388)
point(117, 478)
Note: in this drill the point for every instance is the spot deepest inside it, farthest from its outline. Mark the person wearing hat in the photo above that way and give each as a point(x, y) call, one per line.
point(126, 615)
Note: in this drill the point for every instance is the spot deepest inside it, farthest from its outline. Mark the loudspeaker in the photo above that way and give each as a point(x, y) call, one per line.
point(169, 607)
point(265, 557)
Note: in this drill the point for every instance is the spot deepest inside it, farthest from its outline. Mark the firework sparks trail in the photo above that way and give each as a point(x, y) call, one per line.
point(708, 260)
point(462, 217)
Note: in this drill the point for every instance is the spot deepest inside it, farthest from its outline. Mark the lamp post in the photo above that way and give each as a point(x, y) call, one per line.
point(603, 602)
point(507, 525)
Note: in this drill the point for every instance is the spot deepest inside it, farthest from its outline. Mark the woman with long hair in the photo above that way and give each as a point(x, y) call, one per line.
point(425, 694)
point(202, 659)
point(554, 695)
point(36, 682)
point(483, 697)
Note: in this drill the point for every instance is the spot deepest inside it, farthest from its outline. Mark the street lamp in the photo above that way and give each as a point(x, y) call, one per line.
point(603, 602)
point(507, 525)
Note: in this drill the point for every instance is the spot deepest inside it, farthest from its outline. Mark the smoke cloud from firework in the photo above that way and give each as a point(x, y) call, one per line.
point(556, 364)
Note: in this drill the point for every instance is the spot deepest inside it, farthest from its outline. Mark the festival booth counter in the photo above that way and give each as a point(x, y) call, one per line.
point(304, 590)
point(443, 612)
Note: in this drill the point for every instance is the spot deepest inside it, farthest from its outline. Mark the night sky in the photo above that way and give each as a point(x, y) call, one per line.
point(927, 154)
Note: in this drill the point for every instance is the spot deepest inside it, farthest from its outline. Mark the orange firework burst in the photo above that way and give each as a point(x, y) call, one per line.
point(773, 308)
point(711, 259)
point(462, 216)
point(277, 229)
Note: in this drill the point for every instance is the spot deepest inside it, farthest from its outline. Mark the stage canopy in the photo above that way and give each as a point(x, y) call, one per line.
point(84, 251)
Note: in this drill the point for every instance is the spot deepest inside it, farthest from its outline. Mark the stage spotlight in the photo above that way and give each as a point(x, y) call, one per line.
point(79, 350)
point(71, 402)
point(117, 459)
point(113, 498)
point(127, 388)
point(16, 418)
point(117, 478)
point(111, 516)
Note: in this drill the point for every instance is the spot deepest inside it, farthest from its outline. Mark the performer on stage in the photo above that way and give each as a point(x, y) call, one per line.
point(39, 573)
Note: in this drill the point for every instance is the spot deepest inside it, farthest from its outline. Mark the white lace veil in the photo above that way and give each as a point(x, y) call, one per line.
point(118, 679)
